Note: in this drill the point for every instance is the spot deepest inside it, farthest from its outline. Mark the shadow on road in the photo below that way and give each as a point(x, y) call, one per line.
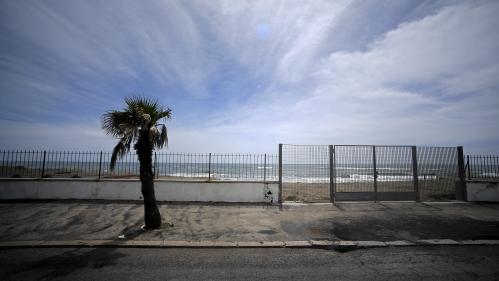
point(64, 264)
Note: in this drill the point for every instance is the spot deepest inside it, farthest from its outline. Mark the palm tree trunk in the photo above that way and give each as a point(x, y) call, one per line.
point(144, 148)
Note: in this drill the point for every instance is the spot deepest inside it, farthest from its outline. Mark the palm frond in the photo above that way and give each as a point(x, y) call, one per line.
point(120, 150)
point(164, 136)
point(115, 123)
point(165, 113)
point(140, 113)
point(148, 111)
point(158, 137)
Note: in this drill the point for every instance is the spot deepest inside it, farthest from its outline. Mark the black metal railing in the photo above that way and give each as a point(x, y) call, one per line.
point(179, 166)
point(484, 167)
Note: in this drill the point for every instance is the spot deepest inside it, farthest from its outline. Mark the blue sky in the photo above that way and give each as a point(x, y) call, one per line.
point(243, 76)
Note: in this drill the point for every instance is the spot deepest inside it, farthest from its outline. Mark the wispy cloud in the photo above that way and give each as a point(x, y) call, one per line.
point(243, 76)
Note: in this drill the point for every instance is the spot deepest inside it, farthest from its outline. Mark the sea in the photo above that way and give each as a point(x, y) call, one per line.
point(306, 173)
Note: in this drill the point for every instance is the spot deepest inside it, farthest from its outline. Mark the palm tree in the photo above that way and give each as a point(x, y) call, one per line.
point(138, 124)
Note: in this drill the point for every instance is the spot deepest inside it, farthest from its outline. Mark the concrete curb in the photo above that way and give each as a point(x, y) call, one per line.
point(340, 245)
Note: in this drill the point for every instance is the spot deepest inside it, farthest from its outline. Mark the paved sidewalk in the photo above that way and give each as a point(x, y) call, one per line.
point(112, 221)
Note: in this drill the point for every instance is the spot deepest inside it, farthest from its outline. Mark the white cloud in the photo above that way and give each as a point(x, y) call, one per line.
point(380, 95)
point(324, 72)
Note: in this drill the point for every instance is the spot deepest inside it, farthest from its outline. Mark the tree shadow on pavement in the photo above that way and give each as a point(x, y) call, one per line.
point(61, 265)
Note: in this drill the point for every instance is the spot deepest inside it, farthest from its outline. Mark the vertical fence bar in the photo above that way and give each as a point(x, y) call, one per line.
point(375, 172)
point(483, 158)
point(481, 165)
point(334, 170)
point(462, 176)
point(3, 164)
point(488, 165)
point(468, 166)
point(29, 164)
point(280, 173)
point(100, 164)
point(43, 163)
point(64, 161)
point(169, 163)
point(10, 159)
point(209, 166)
point(7, 161)
point(23, 163)
point(86, 166)
point(264, 168)
point(473, 164)
point(331, 175)
point(476, 167)
point(15, 163)
point(415, 173)
point(155, 165)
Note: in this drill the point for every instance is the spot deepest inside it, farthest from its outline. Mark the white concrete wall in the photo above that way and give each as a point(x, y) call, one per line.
point(130, 190)
point(482, 191)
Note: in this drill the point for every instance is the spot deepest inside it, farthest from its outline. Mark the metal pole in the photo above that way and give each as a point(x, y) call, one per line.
point(100, 164)
point(332, 191)
point(265, 167)
point(415, 173)
point(43, 163)
point(375, 175)
point(280, 173)
point(461, 173)
point(209, 167)
point(3, 162)
point(468, 166)
point(473, 162)
point(155, 165)
point(481, 166)
point(489, 164)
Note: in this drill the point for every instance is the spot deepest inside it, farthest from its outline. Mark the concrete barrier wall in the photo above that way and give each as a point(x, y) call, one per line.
point(130, 190)
point(482, 191)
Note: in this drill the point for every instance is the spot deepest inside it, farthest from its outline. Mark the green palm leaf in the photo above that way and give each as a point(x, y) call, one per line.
point(139, 115)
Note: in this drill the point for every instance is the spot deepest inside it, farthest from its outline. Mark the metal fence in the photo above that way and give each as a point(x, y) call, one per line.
point(311, 173)
point(372, 172)
point(320, 173)
point(181, 166)
point(483, 167)
point(438, 171)
point(305, 173)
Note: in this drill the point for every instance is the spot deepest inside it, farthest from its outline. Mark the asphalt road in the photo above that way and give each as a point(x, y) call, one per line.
point(407, 263)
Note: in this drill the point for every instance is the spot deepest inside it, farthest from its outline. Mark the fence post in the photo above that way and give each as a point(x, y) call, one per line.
point(155, 165)
point(280, 173)
point(461, 185)
point(415, 173)
point(375, 174)
point(332, 168)
point(468, 166)
point(209, 166)
point(43, 163)
point(100, 165)
point(265, 167)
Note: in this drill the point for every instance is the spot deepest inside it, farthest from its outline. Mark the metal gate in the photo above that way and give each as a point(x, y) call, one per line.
point(373, 173)
point(304, 173)
point(324, 173)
